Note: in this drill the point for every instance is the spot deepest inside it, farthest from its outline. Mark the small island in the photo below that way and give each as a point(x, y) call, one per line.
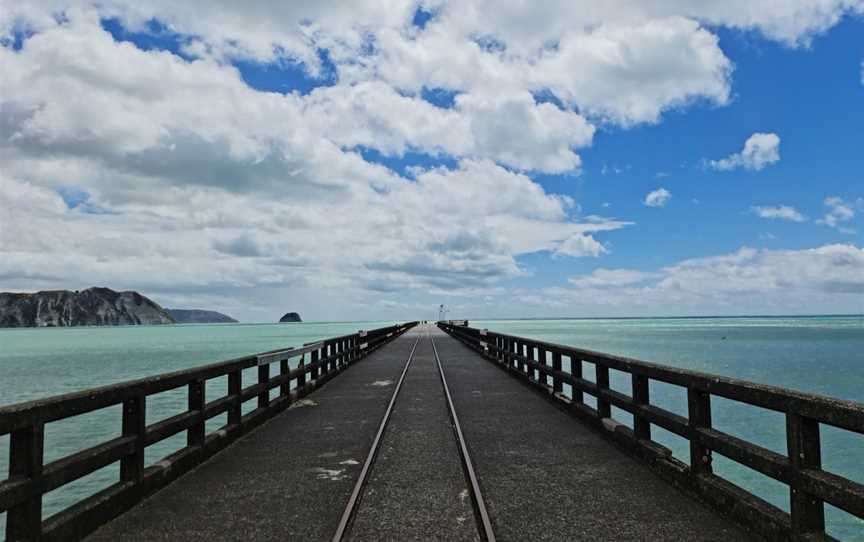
point(200, 316)
point(290, 317)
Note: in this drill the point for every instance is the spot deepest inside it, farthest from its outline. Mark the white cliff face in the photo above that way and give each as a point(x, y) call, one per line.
point(90, 307)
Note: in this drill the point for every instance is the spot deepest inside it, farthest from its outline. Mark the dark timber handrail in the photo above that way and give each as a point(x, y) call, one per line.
point(29, 479)
point(540, 364)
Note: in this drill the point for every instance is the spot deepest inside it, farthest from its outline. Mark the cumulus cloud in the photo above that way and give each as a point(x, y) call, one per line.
point(760, 150)
point(657, 198)
point(214, 190)
point(828, 278)
point(780, 212)
point(839, 212)
point(602, 277)
point(581, 245)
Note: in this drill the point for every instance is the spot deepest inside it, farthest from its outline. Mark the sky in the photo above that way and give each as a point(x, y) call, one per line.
point(506, 159)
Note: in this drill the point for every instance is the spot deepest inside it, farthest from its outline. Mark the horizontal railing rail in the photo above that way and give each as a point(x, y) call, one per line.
point(29, 478)
point(540, 363)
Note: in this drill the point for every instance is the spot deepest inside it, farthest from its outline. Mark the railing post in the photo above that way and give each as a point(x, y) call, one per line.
point(322, 370)
point(196, 402)
point(557, 385)
point(523, 349)
point(576, 371)
point(505, 352)
point(507, 358)
point(235, 387)
point(314, 357)
point(134, 425)
point(337, 356)
point(301, 377)
point(313, 373)
point(543, 371)
point(604, 409)
point(534, 355)
point(341, 352)
point(803, 443)
point(641, 426)
point(24, 521)
point(263, 379)
point(334, 363)
point(334, 351)
point(284, 371)
point(699, 414)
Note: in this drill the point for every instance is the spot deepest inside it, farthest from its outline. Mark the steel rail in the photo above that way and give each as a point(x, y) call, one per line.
point(354, 500)
point(484, 525)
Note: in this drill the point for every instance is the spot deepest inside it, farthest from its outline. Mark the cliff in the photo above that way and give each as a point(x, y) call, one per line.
point(290, 317)
point(90, 307)
point(198, 316)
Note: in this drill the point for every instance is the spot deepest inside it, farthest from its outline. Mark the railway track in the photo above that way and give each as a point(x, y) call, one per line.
point(481, 515)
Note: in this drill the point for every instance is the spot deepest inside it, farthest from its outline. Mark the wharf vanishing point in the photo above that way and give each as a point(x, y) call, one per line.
point(427, 432)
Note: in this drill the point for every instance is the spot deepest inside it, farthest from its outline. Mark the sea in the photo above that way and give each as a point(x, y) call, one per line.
point(815, 354)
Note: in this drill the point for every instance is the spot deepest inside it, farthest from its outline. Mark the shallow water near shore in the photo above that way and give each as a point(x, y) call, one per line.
point(823, 355)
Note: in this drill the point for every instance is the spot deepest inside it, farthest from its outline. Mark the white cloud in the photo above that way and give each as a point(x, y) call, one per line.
point(220, 192)
point(581, 245)
point(602, 277)
point(657, 198)
point(213, 191)
point(760, 150)
point(839, 212)
point(624, 72)
point(513, 129)
point(780, 212)
point(824, 279)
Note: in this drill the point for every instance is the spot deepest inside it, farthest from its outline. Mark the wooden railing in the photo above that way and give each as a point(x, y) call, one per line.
point(29, 479)
point(540, 364)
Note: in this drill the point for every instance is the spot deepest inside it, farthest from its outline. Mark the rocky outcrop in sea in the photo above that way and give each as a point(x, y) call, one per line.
point(199, 316)
point(90, 307)
point(290, 317)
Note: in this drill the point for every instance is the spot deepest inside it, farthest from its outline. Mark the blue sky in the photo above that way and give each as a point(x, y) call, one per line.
point(813, 98)
point(156, 140)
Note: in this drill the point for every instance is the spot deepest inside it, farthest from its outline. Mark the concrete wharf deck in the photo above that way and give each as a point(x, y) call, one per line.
point(544, 475)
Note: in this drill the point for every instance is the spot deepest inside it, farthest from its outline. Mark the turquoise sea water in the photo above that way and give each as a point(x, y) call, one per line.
point(36, 363)
point(822, 355)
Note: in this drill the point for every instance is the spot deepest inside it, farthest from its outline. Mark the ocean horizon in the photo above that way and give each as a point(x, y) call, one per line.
point(814, 354)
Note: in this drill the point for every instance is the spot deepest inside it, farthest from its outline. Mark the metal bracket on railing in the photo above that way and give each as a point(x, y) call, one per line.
point(271, 357)
point(267, 359)
point(483, 332)
point(361, 333)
